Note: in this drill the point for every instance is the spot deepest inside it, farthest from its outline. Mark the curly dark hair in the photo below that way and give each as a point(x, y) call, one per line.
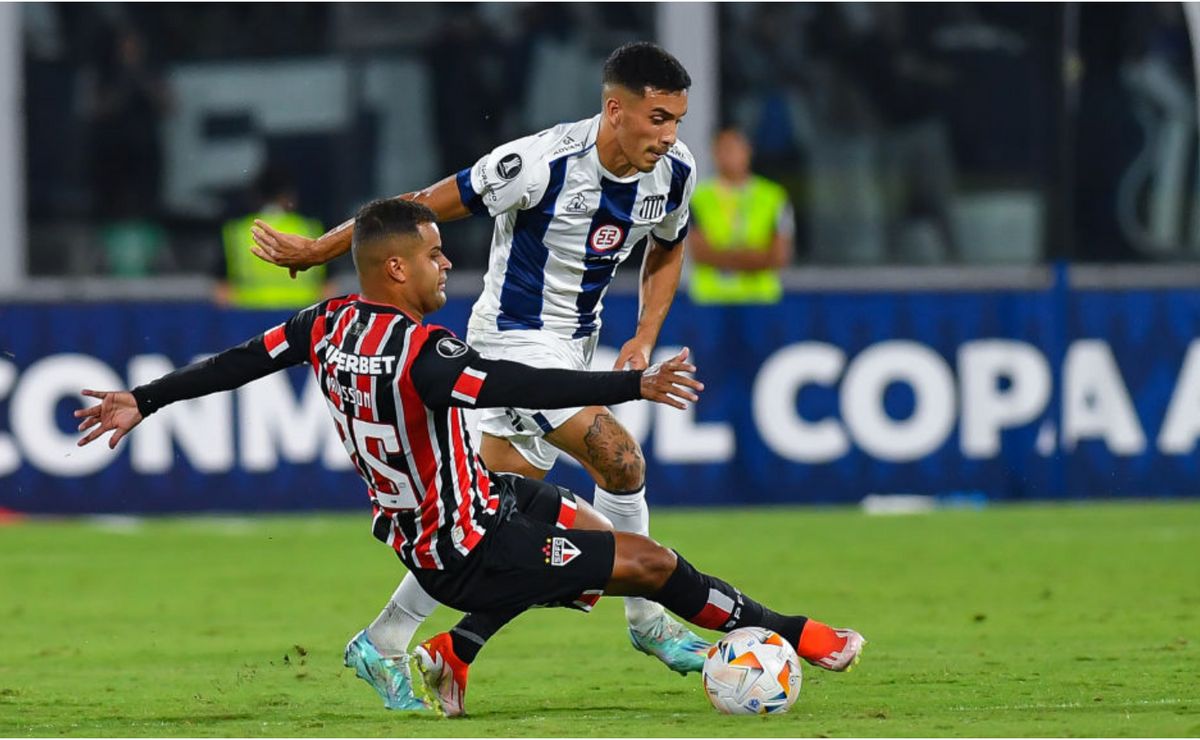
point(641, 64)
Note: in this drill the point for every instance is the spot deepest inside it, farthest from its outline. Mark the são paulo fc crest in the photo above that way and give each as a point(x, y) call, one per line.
point(607, 238)
point(560, 551)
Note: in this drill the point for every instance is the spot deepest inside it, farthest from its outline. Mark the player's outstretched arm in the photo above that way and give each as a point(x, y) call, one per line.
point(278, 348)
point(522, 386)
point(298, 253)
point(449, 373)
point(117, 412)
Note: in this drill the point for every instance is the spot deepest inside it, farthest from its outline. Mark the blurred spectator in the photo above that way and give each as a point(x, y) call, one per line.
point(904, 81)
point(765, 58)
point(245, 281)
point(128, 100)
point(743, 229)
point(463, 64)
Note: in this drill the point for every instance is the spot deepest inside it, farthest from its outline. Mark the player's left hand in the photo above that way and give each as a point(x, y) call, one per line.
point(634, 355)
point(117, 412)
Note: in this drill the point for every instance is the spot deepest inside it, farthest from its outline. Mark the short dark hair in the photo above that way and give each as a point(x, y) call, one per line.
point(387, 217)
point(642, 64)
point(390, 217)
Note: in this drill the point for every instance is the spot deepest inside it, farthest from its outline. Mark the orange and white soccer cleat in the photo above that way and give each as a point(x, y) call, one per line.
point(830, 648)
point(444, 675)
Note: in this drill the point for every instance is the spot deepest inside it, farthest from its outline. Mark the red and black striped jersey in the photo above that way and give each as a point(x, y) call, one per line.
point(396, 389)
point(431, 495)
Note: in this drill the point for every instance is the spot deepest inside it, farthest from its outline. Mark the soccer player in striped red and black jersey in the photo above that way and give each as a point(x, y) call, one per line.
point(489, 544)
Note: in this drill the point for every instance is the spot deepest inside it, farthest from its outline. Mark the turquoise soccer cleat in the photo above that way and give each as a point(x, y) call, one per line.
point(680, 649)
point(388, 676)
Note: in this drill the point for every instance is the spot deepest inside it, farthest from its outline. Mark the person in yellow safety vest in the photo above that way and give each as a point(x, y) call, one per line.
point(742, 230)
point(244, 281)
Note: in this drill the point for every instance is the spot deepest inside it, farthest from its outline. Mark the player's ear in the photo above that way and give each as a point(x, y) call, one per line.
point(396, 268)
point(612, 106)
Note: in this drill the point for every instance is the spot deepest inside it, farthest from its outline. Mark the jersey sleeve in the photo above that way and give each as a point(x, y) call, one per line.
point(674, 226)
point(289, 343)
point(275, 349)
point(511, 177)
point(447, 372)
point(442, 372)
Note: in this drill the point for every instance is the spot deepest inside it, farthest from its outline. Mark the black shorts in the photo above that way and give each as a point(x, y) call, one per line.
point(530, 557)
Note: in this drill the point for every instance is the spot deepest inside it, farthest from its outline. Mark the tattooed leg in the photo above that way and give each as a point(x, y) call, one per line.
point(606, 449)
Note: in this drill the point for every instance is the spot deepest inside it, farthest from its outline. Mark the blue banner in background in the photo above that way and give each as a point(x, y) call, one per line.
point(824, 398)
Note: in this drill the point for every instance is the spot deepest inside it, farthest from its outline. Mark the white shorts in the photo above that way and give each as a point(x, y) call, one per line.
point(524, 428)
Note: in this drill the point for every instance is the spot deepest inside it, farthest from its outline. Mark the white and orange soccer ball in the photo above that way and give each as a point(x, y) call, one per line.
point(752, 671)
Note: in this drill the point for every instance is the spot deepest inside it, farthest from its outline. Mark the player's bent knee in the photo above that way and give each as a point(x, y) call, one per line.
point(613, 454)
point(625, 470)
point(626, 480)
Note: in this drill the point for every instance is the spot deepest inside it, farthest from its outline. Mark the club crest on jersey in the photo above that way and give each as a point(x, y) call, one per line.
point(559, 551)
point(510, 166)
point(653, 207)
point(607, 238)
point(449, 347)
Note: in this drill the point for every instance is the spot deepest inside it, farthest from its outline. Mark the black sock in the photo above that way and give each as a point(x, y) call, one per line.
point(475, 629)
point(709, 602)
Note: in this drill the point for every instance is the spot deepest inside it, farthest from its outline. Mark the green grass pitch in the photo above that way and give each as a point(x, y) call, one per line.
point(1054, 620)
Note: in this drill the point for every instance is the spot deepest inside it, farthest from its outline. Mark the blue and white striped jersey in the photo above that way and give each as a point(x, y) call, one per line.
point(564, 223)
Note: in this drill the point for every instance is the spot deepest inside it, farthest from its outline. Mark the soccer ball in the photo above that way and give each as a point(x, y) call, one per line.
point(752, 671)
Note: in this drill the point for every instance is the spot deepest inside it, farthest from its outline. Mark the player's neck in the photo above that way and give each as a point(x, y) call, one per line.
point(382, 297)
point(608, 151)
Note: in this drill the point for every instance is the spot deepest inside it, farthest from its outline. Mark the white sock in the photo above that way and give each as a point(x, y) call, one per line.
point(393, 629)
point(629, 513)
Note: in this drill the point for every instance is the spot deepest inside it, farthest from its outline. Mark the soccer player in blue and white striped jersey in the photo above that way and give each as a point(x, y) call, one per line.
point(569, 204)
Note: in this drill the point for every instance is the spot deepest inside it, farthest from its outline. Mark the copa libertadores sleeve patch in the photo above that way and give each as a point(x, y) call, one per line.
point(451, 347)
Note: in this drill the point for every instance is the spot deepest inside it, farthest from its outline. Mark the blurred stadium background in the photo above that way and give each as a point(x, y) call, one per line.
point(994, 292)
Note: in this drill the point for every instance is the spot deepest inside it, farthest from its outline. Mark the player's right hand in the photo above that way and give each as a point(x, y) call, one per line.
point(281, 248)
point(117, 412)
point(670, 382)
